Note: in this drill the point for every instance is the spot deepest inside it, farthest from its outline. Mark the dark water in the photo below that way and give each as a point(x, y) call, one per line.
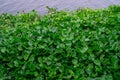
point(14, 6)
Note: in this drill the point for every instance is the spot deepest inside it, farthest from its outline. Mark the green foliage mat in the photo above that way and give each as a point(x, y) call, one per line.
point(79, 45)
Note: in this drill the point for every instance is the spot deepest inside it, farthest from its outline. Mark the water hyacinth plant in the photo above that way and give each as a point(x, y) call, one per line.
point(79, 45)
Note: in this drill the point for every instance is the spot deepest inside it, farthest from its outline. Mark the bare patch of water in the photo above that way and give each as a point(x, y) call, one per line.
point(14, 6)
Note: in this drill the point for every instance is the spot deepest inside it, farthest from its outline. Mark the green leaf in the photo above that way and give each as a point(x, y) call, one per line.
point(84, 49)
point(3, 50)
point(75, 61)
point(31, 59)
point(36, 74)
point(26, 54)
point(114, 61)
point(97, 62)
point(89, 69)
point(16, 63)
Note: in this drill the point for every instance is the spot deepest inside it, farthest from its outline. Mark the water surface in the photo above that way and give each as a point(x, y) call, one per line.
point(14, 6)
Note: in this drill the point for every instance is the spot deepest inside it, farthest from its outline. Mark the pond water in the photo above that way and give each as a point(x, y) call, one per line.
point(14, 6)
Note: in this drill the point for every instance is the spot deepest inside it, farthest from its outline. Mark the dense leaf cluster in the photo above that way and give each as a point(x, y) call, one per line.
point(80, 45)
